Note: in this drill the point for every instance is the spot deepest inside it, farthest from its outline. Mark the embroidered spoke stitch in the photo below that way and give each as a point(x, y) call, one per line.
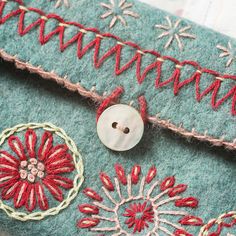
point(228, 52)
point(62, 2)
point(117, 10)
point(133, 204)
point(174, 32)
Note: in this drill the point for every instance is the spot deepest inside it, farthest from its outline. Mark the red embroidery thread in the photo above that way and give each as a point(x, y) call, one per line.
point(140, 209)
point(25, 174)
point(116, 50)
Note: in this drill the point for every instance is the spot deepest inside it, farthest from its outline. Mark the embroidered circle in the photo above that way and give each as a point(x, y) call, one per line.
point(39, 166)
point(225, 225)
point(135, 204)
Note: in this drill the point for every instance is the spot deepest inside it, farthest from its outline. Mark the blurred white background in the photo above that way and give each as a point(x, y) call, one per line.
point(217, 14)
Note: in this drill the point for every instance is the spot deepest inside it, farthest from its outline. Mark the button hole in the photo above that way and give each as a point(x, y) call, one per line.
point(126, 130)
point(114, 125)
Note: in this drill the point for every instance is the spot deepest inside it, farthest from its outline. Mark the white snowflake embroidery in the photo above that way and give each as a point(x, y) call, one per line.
point(117, 10)
point(61, 2)
point(174, 32)
point(227, 52)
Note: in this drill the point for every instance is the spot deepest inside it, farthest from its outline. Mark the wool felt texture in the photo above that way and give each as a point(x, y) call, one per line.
point(208, 171)
point(183, 112)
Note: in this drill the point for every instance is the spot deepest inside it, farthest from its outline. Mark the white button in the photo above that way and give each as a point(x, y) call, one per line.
point(120, 127)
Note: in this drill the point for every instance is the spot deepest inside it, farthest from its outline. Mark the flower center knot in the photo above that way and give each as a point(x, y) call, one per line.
point(32, 169)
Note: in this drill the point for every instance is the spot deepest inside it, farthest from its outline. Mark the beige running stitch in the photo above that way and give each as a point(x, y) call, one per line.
point(78, 180)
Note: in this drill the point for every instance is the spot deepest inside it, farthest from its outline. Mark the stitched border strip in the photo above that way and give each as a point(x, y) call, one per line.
point(116, 50)
point(78, 180)
point(98, 98)
point(217, 225)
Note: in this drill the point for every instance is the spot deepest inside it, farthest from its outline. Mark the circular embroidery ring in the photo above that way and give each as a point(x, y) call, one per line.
point(77, 182)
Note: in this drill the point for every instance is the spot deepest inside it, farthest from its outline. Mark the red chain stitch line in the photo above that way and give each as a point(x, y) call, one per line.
point(117, 50)
point(98, 98)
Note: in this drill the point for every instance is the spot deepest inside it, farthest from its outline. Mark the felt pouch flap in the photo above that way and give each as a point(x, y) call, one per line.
point(185, 72)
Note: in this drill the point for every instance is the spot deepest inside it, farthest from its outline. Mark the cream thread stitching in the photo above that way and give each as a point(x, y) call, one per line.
point(123, 7)
point(227, 52)
point(97, 98)
point(174, 32)
point(78, 180)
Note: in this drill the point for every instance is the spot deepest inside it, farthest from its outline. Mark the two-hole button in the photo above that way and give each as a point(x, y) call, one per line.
point(120, 127)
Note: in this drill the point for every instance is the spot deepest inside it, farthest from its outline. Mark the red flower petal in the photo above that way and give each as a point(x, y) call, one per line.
point(167, 183)
point(136, 170)
point(88, 209)
point(63, 182)
point(106, 181)
point(30, 198)
point(191, 220)
point(57, 152)
point(177, 190)
point(8, 157)
point(10, 190)
point(60, 169)
point(151, 174)
point(30, 142)
point(8, 178)
point(7, 167)
point(45, 146)
point(17, 147)
point(92, 194)
point(88, 223)
point(120, 172)
point(42, 199)
point(187, 202)
point(56, 161)
point(53, 189)
point(20, 196)
point(181, 232)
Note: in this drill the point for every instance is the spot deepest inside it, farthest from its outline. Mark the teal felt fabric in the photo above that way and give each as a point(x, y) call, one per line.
point(209, 172)
point(142, 31)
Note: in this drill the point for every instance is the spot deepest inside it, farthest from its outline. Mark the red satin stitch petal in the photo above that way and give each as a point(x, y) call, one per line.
point(106, 181)
point(181, 232)
point(120, 172)
point(187, 202)
point(53, 189)
point(92, 194)
point(30, 142)
point(191, 220)
point(135, 172)
point(17, 147)
point(88, 209)
point(9, 191)
point(151, 174)
point(177, 190)
point(30, 198)
point(167, 183)
point(88, 223)
point(20, 195)
point(41, 197)
point(45, 146)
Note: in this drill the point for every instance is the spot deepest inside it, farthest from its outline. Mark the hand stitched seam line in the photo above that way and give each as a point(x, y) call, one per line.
point(166, 124)
point(116, 50)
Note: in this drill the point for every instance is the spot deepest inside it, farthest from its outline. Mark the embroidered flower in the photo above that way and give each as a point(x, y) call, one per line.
point(228, 52)
point(27, 170)
point(117, 10)
point(216, 227)
point(132, 204)
point(61, 2)
point(174, 32)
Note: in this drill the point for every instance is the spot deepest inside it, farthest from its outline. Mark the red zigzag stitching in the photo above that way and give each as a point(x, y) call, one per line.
point(116, 50)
